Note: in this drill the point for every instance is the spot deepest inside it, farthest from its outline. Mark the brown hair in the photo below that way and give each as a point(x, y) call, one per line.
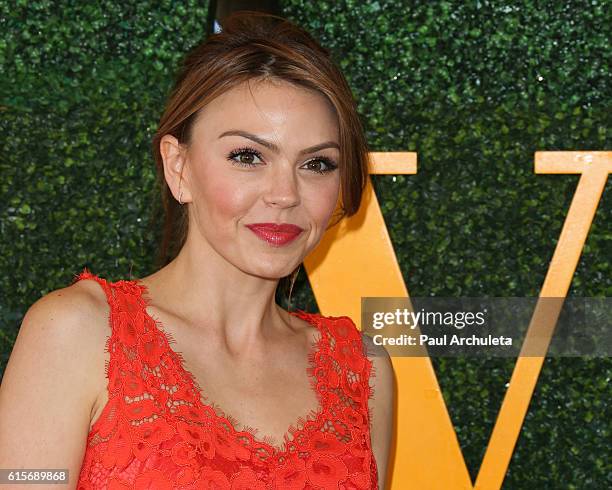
point(256, 45)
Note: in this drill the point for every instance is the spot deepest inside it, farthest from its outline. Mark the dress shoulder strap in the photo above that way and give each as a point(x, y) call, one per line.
point(106, 285)
point(356, 369)
point(133, 400)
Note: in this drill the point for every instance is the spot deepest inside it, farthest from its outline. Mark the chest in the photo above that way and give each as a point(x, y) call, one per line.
point(268, 396)
point(163, 409)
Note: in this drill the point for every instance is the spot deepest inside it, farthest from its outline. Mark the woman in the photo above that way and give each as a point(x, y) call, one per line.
point(258, 141)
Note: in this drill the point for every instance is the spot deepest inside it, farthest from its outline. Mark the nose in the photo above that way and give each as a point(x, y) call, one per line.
point(282, 187)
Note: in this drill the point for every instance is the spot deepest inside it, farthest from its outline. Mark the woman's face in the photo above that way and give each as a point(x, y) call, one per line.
point(263, 152)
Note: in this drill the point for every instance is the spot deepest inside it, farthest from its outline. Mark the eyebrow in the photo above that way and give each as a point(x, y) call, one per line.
point(273, 147)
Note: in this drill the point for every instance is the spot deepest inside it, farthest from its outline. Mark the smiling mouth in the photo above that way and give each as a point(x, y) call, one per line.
point(274, 234)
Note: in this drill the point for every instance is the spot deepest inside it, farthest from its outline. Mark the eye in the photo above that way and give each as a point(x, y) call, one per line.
point(245, 157)
point(248, 157)
point(321, 165)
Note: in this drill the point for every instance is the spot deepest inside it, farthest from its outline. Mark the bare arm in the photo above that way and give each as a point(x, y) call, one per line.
point(47, 393)
point(381, 406)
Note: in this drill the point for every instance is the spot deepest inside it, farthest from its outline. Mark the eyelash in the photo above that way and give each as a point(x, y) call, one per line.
point(331, 166)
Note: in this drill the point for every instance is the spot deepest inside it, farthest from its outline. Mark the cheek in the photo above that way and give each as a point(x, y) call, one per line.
point(224, 201)
point(321, 201)
point(223, 197)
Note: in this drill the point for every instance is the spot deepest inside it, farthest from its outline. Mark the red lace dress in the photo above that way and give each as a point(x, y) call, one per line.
point(156, 432)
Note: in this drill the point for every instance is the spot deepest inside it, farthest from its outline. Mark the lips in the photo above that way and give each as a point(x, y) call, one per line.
point(276, 234)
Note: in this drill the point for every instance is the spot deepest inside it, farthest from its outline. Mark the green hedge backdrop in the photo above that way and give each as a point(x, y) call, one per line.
point(475, 87)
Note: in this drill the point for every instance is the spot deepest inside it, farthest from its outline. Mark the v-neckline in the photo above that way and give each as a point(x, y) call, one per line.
point(314, 363)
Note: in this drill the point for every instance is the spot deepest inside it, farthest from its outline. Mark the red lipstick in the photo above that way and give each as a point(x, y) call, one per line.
point(275, 234)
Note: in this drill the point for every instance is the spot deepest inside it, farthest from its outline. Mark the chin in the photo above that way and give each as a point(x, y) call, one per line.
point(270, 271)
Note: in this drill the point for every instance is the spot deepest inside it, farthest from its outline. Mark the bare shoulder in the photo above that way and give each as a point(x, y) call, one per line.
point(381, 405)
point(51, 379)
point(72, 316)
point(67, 316)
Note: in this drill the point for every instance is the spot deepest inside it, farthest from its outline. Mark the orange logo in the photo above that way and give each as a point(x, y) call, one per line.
point(356, 259)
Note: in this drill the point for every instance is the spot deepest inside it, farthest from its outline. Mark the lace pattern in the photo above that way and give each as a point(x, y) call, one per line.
point(156, 431)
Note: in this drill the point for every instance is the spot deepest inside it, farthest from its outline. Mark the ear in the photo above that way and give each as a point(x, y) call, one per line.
point(174, 156)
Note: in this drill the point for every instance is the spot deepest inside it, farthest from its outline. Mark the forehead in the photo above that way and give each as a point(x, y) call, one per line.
point(262, 105)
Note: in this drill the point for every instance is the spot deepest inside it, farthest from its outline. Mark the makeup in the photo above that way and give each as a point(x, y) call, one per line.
point(276, 235)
